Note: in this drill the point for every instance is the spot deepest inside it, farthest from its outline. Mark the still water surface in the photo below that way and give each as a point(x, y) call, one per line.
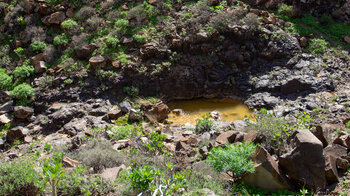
point(229, 109)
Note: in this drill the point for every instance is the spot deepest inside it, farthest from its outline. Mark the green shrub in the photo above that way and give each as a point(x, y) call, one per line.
point(22, 92)
point(105, 75)
point(285, 10)
point(233, 158)
point(124, 132)
point(68, 24)
point(20, 52)
point(204, 125)
point(19, 178)
point(38, 46)
point(61, 40)
point(5, 80)
point(99, 154)
point(131, 91)
point(317, 46)
point(139, 38)
point(141, 178)
point(77, 182)
point(155, 143)
point(121, 24)
point(23, 72)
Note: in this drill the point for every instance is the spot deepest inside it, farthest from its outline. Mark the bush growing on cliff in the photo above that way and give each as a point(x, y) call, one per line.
point(61, 40)
point(23, 72)
point(317, 46)
point(38, 46)
point(23, 92)
point(235, 160)
point(5, 80)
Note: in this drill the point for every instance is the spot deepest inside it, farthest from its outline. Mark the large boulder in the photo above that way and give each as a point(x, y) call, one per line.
point(22, 112)
point(85, 51)
point(155, 112)
point(56, 18)
point(267, 175)
point(16, 133)
point(305, 164)
point(226, 137)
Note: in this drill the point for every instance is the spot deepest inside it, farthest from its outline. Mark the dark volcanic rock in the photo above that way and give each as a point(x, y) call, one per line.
point(305, 164)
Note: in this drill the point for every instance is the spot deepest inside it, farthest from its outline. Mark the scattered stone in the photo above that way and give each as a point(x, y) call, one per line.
point(16, 133)
point(74, 127)
point(155, 112)
point(4, 119)
point(303, 42)
point(85, 51)
point(190, 140)
point(112, 173)
point(115, 114)
point(56, 18)
point(121, 144)
point(178, 112)
point(28, 139)
point(347, 39)
point(343, 139)
point(226, 137)
point(40, 67)
point(70, 162)
point(70, 13)
point(97, 62)
point(267, 175)
point(305, 164)
point(6, 107)
point(125, 107)
point(35, 60)
point(181, 146)
point(22, 112)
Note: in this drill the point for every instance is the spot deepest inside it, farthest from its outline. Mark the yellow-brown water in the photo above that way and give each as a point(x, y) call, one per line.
point(229, 109)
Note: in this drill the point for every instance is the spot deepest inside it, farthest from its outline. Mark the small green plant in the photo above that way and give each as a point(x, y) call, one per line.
point(285, 10)
point(47, 148)
point(68, 24)
point(141, 178)
point(22, 92)
point(23, 72)
point(5, 80)
point(235, 160)
point(38, 46)
point(347, 124)
point(21, 21)
point(61, 40)
point(204, 124)
point(317, 46)
point(156, 142)
point(53, 171)
point(121, 24)
point(68, 81)
point(131, 91)
point(20, 52)
point(124, 132)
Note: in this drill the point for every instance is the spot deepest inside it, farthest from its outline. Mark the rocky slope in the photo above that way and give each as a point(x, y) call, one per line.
point(93, 65)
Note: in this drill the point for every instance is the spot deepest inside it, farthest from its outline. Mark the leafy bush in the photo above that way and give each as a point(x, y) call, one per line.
point(5, 80)
point(99, 154)
point(77, 183)
point(317, 46)
point(139, 38)
point(20, 52)
point(105, 75)
point(233, 158)
point(22, 92)
point(38, 46)
point(285, 10)
point(124, 132)
point(23, 72)
point(204, 125)
point(68, 24)
point(61, 40)
point(156, 142)
point(19, 178)
point(121, 24)
point(141, 178)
